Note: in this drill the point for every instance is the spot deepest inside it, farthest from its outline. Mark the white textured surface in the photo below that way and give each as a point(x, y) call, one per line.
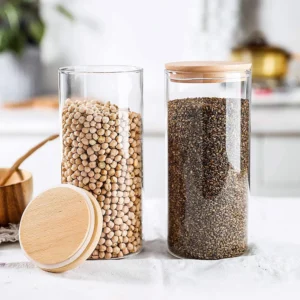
point(9, 233)
point(271, 268)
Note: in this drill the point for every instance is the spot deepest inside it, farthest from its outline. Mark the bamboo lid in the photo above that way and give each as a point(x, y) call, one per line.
point(207, 71)
point(208, 66)
point(60, 228)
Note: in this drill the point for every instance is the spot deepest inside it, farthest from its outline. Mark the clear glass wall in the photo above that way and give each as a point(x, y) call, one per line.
point(101, 130)
point(208, 121)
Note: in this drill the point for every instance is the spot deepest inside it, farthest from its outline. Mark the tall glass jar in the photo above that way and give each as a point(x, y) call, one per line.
point(101, 130)
point(208, 121)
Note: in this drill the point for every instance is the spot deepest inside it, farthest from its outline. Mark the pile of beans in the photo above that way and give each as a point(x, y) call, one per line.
point(102, 153)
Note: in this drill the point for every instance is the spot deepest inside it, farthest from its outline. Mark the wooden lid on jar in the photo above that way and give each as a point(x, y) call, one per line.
point(60, 228)
point(207, 71)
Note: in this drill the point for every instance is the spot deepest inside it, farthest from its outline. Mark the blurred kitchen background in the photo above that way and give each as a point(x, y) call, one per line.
point(36, 38)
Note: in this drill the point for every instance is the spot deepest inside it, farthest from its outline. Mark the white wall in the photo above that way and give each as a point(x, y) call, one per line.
point(148, 34)
point(144, 33)
point(280, 21)
point(151, 33)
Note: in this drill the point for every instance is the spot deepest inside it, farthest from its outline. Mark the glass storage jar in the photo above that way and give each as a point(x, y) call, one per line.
point(208, 122)
point(101, 130)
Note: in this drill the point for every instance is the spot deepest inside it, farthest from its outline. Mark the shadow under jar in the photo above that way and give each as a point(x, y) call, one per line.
point(101, 123)
point(208, 120)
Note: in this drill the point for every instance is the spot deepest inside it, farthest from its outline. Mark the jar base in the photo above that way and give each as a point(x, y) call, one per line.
point(127, 255)
point(212, 258)
point(120, 258)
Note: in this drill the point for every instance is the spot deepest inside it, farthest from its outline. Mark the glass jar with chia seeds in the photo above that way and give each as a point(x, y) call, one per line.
point(208, 121)
point(101, 130)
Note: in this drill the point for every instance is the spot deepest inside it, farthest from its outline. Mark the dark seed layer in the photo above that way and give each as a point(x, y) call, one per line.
point(208, 149)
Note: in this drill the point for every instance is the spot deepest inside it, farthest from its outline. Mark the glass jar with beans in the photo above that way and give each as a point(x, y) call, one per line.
point(101, 129)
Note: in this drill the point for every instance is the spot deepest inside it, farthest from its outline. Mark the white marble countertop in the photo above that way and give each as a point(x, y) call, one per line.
point(290, 98)
point(44, 122)
point(275, 120)
point(28, 121)
point(276, 113)
point(269, 270)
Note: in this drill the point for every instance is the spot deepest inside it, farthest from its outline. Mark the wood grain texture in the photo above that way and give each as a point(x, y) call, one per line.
point(208, 66)
point(93, 242)
point(57, 231)
point(207, 72)
point(55, 225)
point(14, 196)
point(41, 102)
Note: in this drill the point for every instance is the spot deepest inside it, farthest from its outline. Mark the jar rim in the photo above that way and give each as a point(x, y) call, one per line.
point(99, 69)
point(205, 77)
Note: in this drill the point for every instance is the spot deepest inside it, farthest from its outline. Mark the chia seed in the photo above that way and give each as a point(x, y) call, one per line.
point(208, 186)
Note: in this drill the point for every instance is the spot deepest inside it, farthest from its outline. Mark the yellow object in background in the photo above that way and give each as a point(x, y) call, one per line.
point(268, 62)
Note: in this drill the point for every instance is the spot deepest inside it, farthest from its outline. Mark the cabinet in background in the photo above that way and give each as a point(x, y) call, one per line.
point(275, 150)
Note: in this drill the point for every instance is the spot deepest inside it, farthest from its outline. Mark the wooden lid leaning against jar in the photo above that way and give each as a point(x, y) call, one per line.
point(208, 71)
point(60, 228)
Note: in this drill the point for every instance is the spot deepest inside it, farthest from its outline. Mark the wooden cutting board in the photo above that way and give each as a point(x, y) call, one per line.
point(44, 102)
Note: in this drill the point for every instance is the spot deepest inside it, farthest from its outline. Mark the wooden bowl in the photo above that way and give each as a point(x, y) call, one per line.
point(14, 196)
